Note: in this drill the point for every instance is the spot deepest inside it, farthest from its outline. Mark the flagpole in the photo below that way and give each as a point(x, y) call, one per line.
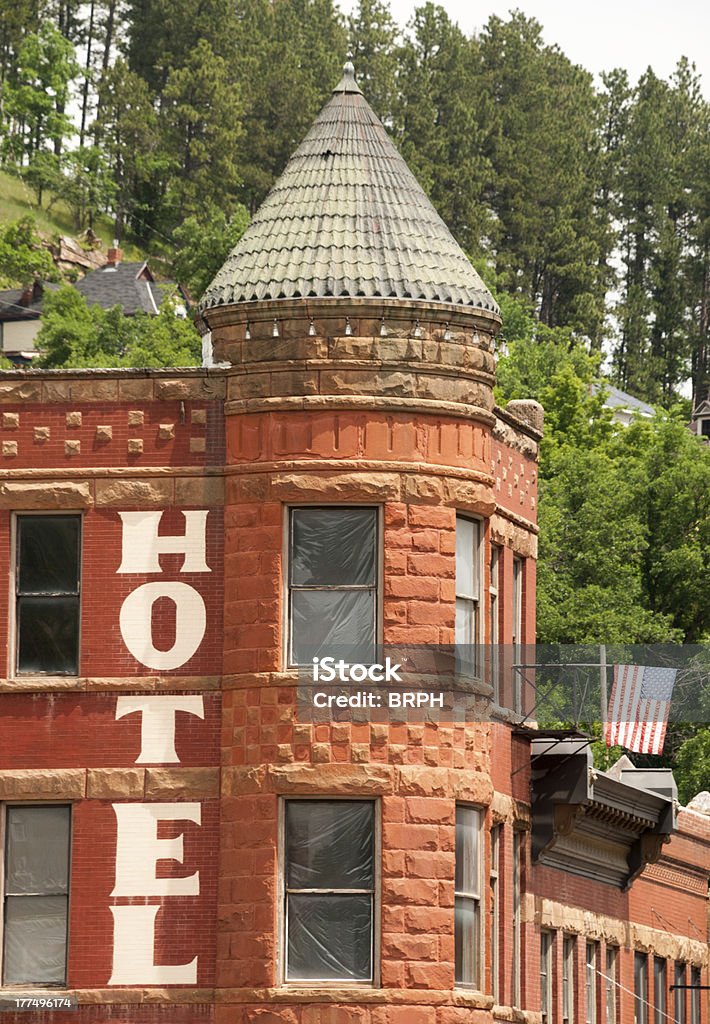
point(602, 687)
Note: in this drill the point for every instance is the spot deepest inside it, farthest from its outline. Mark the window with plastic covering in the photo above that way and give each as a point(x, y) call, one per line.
point(467, 897)
point(329, 891)
point(35, 895)
point(47, 594)
point(332, 584)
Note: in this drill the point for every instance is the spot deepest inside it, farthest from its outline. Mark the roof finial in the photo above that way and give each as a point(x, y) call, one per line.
point(347, 83)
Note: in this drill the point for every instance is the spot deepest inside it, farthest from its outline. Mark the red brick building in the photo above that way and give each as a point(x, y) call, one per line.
point(180, 845)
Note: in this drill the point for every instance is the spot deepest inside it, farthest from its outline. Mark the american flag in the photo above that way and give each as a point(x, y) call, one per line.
point(638, 709)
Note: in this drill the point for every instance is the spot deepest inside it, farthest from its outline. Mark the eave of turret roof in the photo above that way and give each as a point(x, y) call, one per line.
point(347, 218)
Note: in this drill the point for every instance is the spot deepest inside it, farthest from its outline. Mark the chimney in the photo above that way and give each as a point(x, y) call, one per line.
point(114, 254)
point(28, 294)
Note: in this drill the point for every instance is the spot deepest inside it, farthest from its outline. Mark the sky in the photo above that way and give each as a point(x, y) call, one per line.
point(599, 34)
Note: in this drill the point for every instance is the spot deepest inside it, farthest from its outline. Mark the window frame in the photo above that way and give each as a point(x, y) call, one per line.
point(640, 990)
point(282, 894)
point(495, 891)
point(547, 940)
point(14, 596)
point(660, 990)
point(517, 887)
point(611, 1003)
point(517, 629)
point(476, 985)
point(680, 1002)
point(569, 964)
point(286, 588)
point(472, 664)
point(591, 968)
point(494, 605)
point(695, 1000)
point(4, 807)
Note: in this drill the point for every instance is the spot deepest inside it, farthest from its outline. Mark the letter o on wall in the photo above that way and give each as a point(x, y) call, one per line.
point(136, 624)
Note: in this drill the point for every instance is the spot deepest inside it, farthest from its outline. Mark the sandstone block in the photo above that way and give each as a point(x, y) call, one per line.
point(238, 781)
point(24, 391)
point(355, 779)
point(94, 390)
point(41, 434)
point(173, 783)
point(135, 446)
point(9, 449)
point(54, 495)
point(198, 417)
point(43, 784)
point(137, 389)
point(10, 420)
point(136, 418)
point(73, 419)
point(166, 431)
point(414, 780)
point(126, 491)
point(114, 783)
point(198, 444)
point(303, 486)
point(199, 490)
point(104, 432)
point(72, 447)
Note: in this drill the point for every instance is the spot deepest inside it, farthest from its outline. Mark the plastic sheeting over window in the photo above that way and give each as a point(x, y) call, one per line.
point(329, 883)
point(333, 583)
point(467, 896)
point(36, 895)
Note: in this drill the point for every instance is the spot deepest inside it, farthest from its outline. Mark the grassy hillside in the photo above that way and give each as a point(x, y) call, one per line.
point(17, 200)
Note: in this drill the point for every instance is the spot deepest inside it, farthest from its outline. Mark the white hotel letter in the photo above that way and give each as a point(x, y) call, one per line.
point(135, 620)
point(158, 723)
point(142, 545)
point(138, 850)
point(134, 951)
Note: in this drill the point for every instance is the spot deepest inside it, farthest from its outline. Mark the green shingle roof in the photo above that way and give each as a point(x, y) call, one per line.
point(347, 218)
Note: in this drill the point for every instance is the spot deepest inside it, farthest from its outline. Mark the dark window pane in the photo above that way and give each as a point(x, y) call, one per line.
point(329, 844)
point(37, 850)
point(334, 547)
point(48, 554)
point(48, 638)
point(35, 940)
point(466, 941)
point(336, 622)
point(329, 938)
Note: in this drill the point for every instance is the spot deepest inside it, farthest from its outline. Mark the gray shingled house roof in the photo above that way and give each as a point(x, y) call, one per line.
point(347, 218)
point(129, 285)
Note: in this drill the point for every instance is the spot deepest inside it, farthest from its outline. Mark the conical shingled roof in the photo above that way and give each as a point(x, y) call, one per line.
point(347, 218)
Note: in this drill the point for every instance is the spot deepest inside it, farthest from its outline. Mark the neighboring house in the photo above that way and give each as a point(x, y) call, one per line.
point(700, 422)
point(624, 406)
point(131, 286)
point(20, 311)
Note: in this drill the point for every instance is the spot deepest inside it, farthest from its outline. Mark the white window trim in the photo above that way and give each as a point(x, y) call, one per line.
point(517, 892)
point(547, 945)
point(478, 985)
point(591, 970)
point(478, 600)
point(569, 952)
point(41, 802)
point(611, 964)
point(286, 573)
point(495, 890)
point(282, 934)
point(12, 672)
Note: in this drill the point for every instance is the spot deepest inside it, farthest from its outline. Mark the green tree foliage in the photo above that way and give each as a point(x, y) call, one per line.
point(372, 46)
point(549, 245)
point(37, 94)
point(203, 245)
point(442, 121)
point(74, 334)
point(23, 258)
point(288, 59)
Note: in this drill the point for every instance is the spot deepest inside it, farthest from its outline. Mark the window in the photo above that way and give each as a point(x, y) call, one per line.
point(591, 982)
point(36, 895)
point(496, 833)
point(569, 949)
point(47, 594)
point(467, 894)
point(494, 613)
point(679, 994)
point(333, 571)
point(610, 984)
point(517, 631)
point(468, 591)
point(329, 890)
point(640, 988)
point(659, 990)
point(518, 849)
point(695, 995)
point(546, 976)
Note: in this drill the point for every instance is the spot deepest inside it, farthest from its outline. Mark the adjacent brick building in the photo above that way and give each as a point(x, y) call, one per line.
point(180, 845)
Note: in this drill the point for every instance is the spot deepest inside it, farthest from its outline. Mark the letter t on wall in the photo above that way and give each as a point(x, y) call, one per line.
point(158, 723)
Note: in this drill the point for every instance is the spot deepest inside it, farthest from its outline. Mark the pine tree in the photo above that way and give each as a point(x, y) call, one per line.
point(372, 46)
